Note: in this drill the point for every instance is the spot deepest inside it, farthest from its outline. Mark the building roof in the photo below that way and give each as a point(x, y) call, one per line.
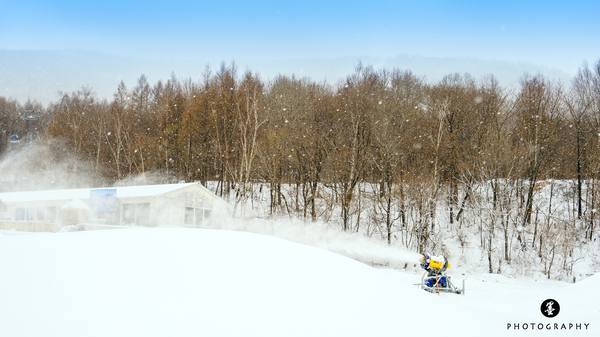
point(84, 193)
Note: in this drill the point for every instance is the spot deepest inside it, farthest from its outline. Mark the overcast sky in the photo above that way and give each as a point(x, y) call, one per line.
point(557, 34)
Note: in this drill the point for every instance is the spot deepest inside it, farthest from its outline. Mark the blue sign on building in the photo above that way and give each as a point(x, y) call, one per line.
point(103, 200)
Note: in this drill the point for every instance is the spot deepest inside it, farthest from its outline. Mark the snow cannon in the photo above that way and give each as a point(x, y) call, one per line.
point(434, 264)
point(435, 278)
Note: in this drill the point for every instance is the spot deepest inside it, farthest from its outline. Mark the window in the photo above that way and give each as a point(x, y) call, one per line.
point(20, 214)
point(143, 214)
point(129, 213)
point(30, 213)
point(136, 214)
point(40, 213)
point(196, 216)
point(36, 214)
point(189, 216)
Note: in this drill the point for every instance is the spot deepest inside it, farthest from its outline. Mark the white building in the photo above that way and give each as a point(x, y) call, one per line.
point(188, 204)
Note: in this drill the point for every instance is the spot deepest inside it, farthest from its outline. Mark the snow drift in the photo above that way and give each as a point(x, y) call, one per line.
point(199, 282)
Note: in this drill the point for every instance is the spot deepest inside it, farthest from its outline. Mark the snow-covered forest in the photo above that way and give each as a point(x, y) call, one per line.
point(462, 163)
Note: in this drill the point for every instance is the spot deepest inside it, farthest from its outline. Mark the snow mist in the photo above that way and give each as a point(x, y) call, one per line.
point(356, 246)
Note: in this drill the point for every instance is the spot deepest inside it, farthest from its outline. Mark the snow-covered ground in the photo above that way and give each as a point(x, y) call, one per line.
point(211, 282)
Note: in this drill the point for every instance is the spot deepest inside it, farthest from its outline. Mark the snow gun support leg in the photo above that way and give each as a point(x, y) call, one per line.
point(440, 283)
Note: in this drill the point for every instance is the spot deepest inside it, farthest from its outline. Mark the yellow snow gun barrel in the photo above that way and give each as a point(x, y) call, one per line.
point(434, 264)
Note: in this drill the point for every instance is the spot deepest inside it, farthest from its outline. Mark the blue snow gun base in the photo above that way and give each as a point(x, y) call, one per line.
point(435, 278)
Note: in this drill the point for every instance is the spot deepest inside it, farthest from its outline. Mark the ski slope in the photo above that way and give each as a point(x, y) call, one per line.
point(203, 282)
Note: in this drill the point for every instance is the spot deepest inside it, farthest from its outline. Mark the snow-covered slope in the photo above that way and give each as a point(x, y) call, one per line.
point(199, 282)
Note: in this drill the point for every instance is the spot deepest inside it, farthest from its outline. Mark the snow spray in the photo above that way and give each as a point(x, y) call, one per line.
point(321, 235)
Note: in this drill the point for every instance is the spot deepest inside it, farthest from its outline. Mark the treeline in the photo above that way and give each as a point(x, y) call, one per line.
point(410, 139)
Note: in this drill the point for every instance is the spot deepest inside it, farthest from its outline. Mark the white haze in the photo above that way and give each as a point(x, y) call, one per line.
point(318, 234)
point(40, 75)
point(44, 165)
point(48, 164)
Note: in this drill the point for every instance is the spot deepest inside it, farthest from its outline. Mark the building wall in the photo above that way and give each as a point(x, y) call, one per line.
point(26, 226)
point(31, 211)
point(191, 206)
point(185, 207)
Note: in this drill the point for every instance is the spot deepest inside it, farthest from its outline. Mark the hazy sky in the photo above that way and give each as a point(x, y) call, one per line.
point(560, 34)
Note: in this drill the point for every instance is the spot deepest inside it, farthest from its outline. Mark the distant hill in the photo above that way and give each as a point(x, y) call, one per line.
point(41, 74)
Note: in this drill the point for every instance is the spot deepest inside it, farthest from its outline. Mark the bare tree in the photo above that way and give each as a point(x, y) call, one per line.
point(540, 114)
point(250, 118)
point(10, 123)
point(396, 115)
point(355, 104)
point(584, 107)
